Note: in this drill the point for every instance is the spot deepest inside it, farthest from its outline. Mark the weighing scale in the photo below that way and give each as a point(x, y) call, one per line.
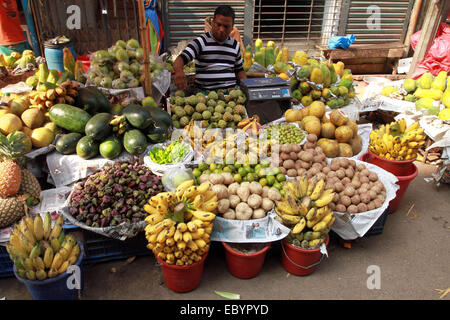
point(267, 98)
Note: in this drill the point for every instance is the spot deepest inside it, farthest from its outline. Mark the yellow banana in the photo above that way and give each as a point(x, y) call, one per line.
point(330, 223)
point(178, 236)
point(289, 219)
point(198, 233)
point(31, 275)
point(210, 206)
point(190, 192)
point(319, 226)
point(198, 201)
point(402, 125)
point(315, 243)
point(412, 127)
point(29, 223)
point(38, 263)
point(57, 261)
point(299, 226)
point(311, 184)
point(311, 235)
point(48, 257)
point(150, 209)
point(57, 228)
point(203, 188)
point(162, 236)
point(154, 218)
point(38, 226)
point(328, 217)
point(303, 186)
point(192, 245)
point(181, 245)
point(325, 198)
point(182, 227)
point(64, 253)
point(47, 225)
point(192, 226)
point(286, 208)
point(204, 215)
point(41, 275)
point(179, 191)
point(187, 237)
point(200, 243)
point(311, 213)
point(317, 190)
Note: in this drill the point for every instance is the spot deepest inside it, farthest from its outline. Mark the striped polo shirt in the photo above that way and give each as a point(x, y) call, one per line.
point(216, 65)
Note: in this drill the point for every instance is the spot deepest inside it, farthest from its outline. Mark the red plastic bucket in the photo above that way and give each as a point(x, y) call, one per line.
point(245, 265)
point(403, 182)
point(298, 261)
point(182, 278)
point(398, 168)
point(86, 62)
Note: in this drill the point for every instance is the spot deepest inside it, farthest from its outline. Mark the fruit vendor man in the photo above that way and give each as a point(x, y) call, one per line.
point(12, 37)
point(217, 56)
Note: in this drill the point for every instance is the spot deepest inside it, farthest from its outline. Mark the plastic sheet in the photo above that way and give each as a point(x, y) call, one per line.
point(341, 42)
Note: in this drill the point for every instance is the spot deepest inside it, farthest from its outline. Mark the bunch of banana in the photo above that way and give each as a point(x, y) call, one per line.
point(198, 138)
point(304, 209)
point(179, 223)
point(119, 124)
point(251, 125)
point(64, 93)
point(40, 251)
point(395, 141)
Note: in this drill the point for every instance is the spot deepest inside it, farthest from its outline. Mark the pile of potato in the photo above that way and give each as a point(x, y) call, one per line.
point(296, 160)
point(241, 201)
point(357, 188)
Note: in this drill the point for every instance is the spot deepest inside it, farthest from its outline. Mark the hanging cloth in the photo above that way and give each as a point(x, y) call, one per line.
point(154, 26)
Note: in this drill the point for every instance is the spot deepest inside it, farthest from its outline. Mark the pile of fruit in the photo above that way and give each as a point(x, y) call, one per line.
point(304, 209)
point(283, 133)
point(121, 66)
point(295, 161)
point(356, 188)
point(179, 223)
point(116, 194)
point(17, 60)
point(174, 152)
point(214, 110)
point(262, 173)
point(30, 113)
point(99, 129)
point(236, 148)
point(45, 79)
point(240, 200)
point(39, 251)
point(427, 92)
point(338, 135)
point(19, 188)
point(395, 141)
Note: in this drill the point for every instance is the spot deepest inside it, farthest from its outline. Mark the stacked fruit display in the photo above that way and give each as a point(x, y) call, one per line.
point(19, 188)
point(102, 130)
point(304, 209)
point(30, 113)
point(395, 141)
point(295, 160)
point(240, 201)
point(426, 92)
point(116, 194)
point(261, 172)
point(338, 136)
point(214, 110)
point(17, 60)
point(283, 133)
point(251, 126)
point(39, 251)
point(179, 223)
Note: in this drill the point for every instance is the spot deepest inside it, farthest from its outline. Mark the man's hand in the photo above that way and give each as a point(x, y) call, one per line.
point(179, 79)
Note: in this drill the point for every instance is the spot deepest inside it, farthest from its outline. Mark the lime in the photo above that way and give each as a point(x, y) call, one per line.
point(276, 171)
point(242, 171)
point(262, 173)
point(197, 172)
point(257, 168)
point(282, 193)
point(203, 166)
point(250, 177)
point(218, 171)
point(263, 182)
point(248, 168)
point(238, 165)
point(207, 172)
point(212, 166)
point(237, 177)
point(265, 163)
point(281, 177)
point(270, 180)
point(277, 185)
point(227, 169)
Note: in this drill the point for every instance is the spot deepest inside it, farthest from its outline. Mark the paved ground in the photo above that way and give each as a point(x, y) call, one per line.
point(412, 255)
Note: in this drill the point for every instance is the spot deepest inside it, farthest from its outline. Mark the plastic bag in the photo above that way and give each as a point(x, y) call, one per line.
point(341, 42)
point(173, 177)
point(437, 58)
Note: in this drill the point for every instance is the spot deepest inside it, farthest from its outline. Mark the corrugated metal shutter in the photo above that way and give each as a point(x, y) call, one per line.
point(186, 18)
point(358, 20)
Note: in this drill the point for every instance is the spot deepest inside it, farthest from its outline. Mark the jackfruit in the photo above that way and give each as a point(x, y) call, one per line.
point(425, 81)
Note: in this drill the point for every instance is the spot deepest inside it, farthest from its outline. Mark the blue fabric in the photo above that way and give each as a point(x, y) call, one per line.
point(151, 16)
point(341, 42)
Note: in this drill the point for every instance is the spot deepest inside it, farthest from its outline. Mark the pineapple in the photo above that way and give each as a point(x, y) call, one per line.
point(11, 210)
point(14, 178)
point(10, 178)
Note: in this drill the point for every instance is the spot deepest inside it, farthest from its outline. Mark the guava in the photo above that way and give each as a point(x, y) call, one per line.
point(106, 82)
point(148, 102)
